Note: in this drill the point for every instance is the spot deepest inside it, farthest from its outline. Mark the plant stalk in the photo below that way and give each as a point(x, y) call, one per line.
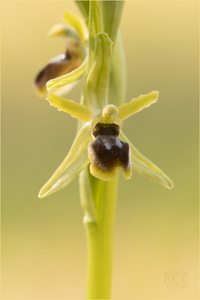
point(100, 242)
point(105, 83)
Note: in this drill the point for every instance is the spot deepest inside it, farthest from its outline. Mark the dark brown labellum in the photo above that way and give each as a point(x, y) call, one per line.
point(108, 151)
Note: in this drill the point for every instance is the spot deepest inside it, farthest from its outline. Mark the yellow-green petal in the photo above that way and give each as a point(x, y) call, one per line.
point(75, 161)
point(75, 109)
point(147, 168)
point(137, 104)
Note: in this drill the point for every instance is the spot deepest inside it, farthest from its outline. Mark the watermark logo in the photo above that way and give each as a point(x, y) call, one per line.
point(175, 279)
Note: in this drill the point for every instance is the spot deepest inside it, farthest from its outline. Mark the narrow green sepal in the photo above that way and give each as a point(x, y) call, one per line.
point(145, 167)
point(75, 161)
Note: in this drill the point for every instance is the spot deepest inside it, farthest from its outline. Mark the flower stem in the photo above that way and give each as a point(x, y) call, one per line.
point(99, 240)
point(98, 198)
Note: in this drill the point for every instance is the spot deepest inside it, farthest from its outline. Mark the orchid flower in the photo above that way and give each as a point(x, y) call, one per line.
point(100, 143)
point(83, 153)
point(100, 149)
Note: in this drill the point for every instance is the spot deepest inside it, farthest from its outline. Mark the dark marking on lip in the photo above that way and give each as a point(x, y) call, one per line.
point(106, 129)
point(108, 151)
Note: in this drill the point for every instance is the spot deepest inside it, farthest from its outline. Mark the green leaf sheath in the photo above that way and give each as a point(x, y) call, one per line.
point(112, 11)
point(96, 91)
point(117, 84)
point(84, 7)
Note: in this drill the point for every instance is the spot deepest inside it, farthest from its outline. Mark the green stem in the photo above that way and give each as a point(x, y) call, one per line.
point(105, 77)
point(100, 240)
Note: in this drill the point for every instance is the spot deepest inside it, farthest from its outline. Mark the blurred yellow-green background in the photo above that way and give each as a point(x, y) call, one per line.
point(156, 236)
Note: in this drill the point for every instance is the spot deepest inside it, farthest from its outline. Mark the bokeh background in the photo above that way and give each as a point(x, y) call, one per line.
point(156, 236)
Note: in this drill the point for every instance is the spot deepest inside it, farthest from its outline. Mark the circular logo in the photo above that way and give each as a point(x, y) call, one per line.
point(175, 279)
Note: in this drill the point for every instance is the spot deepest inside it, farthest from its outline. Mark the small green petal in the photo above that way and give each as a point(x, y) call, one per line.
point(75, 109)
point(75, 161)
point(145, 167)
point(137, 104)
point(67, 79)
point(77, 24)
